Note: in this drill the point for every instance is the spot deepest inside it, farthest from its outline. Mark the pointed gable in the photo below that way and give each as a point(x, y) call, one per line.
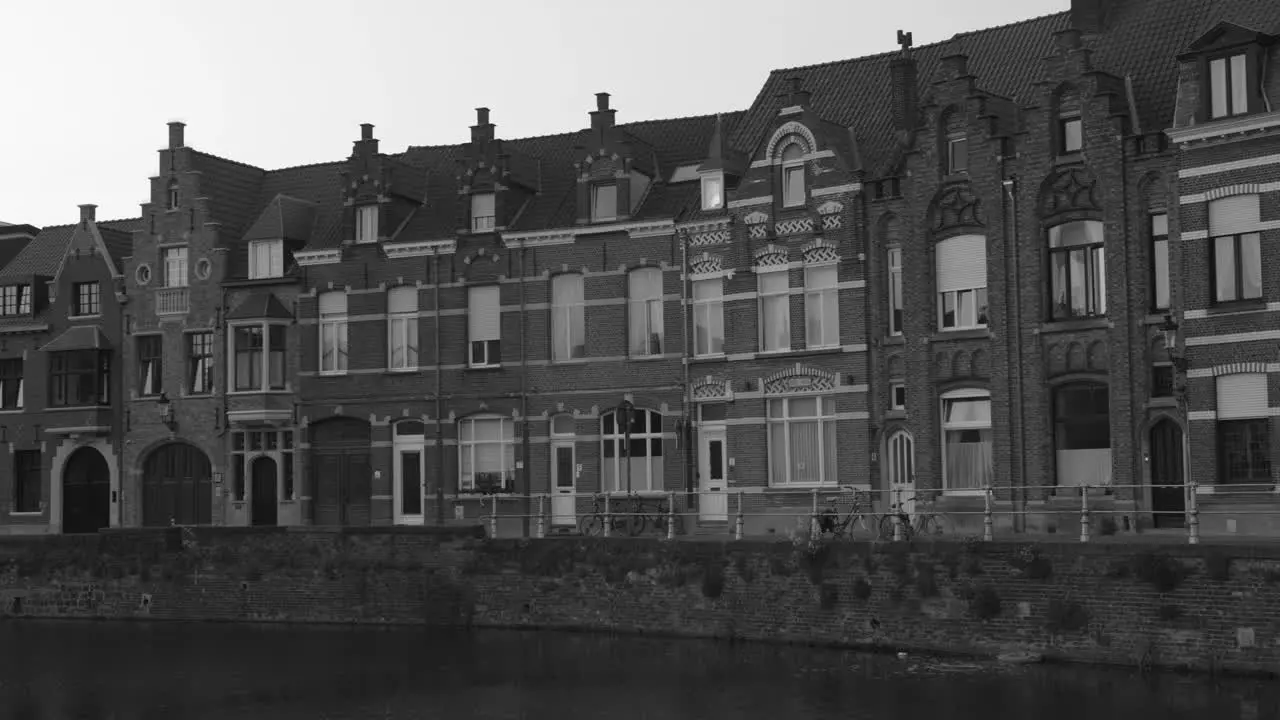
point(261, 305)
point(1226, 35)
point(285, 218)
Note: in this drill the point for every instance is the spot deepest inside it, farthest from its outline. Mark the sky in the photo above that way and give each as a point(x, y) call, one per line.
point(89, 86)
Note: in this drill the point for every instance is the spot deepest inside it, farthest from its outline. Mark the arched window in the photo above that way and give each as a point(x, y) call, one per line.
point(631, 457)
point(793, 190)
point(333, 332)
point(402, 328)
point(900, 467)
point(409, 447)
point(1082, 434)
point(486, 454)
point(1077, 270)
point(967, 465)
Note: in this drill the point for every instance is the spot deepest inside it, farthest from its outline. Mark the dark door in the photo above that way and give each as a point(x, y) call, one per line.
point(265, 507)
point(1168, 499)
point(341, 472)
point(177, 486)
point(86, 492)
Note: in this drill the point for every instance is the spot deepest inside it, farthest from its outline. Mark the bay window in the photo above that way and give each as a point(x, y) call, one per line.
point(647, 321)
point(967, 465)
point(1082, 435)
point(1244, 429)
point(568, 317)
point(80, 377)
point(1077, 270)
point(802, 441)
point(258, 357)
point(821, 307)
point(774, 289)
point(402, 328)
point(708, 317)
point(333, 332)
point(962, 282)
point(631, 453)
point(486, 454)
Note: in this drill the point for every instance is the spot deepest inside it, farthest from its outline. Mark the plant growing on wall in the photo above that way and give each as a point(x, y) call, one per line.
point(1029, 563)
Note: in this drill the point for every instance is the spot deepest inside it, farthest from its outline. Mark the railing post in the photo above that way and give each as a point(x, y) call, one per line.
point(493, 517)
point(1084, 513)
point(896, 509)
point(542, 517)
point(671, 516)
point(814, 528)
point(1193, 514)
point(737, 525)
point(988, 527)
point(608, 516)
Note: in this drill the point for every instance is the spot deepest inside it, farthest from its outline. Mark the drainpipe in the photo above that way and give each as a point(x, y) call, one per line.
point(688, 410)
point(435, 270)
point(524, 398)
point(1131, 332)
point(1017, 492)
point(220, 423)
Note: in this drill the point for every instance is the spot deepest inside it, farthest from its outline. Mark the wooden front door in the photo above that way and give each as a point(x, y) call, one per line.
point(265, 506)
point(713, 480)
point(341, 472)
point(1168, 488)
point(177, 487)
point(86, 492)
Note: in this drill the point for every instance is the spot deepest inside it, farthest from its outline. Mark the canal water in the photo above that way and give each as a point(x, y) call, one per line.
point(55, 670)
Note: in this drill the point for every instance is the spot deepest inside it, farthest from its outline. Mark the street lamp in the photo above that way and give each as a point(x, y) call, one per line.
point(623, 415)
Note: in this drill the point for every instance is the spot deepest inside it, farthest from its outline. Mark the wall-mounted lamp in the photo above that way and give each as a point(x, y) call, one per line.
point(165, 409)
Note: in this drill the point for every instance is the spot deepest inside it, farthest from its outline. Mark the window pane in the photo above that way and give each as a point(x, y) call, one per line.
point(806, 459)
point(1160, 272)
point(1250, 266)
point(803, 407)
point(1218, 87)
point(793, 185)
point(1072, 135)
point(1239, 85)
point(1224, 267)
point(778, 452)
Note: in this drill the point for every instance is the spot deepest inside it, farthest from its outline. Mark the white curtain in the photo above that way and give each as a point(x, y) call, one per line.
point(402, 306)
point(1084, 467)
point(646, 322)
point(969, 459)
point(821, 307)
point(568, 318)
point(708, 317)
point(775, 310)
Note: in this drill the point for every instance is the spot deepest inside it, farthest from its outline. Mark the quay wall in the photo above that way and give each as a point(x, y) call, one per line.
point(1208, 608)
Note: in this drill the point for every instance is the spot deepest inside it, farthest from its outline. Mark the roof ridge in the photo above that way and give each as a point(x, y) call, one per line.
point(306, 165)
point(227, 160)
point(621, 126)
point(967, 33)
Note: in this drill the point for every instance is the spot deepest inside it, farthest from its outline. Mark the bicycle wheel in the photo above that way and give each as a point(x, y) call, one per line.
point(591, 525)
point(886, 527)
point(929, 525)
point(634, 523)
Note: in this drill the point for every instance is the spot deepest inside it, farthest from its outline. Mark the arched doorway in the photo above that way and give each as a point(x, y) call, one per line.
point(900, 466)
point(86, 492)
point(1168, 498)
point(264, 476)
point(341, 471)
point(177, 485)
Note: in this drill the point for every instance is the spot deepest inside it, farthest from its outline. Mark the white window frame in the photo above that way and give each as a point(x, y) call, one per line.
point(266, 259)
point(468, 443)
point(897, 395)
point(402, 444)
point(713, 191)
point(964, 394)
point(894, 261)
point(568, 317)
point(333, 334)
point(95, 294)
point(366, 224)
point(484, 351)
point(402, 329)
point(16, 296)
point(708, 317)
point(793, 171)
point(1092, 285)
point(772, 297)
point(483, 219)
point(193, 364)
point(779, 415)
point(1228, 86)
point(596, 215)
point(822, 290)
point(1161, 289)
point(1068, 145)
point(175, 267)
point(645, 287)
point(957, 154)
point(652, 474)
point(264, 369)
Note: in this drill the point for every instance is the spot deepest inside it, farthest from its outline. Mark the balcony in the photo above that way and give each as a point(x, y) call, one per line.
point(172, 301)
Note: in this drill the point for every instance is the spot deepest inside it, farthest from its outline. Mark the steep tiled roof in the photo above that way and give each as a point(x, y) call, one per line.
point(258, 305)
point(81, 337)
point(232, 189)
point(117, 235)
point(304, 203)
point(438, 216)
point(42, 256)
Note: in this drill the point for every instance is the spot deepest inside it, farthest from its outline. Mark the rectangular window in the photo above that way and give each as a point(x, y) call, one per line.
point(248, 357)
point(402, 328)
point(966, 443)
point(1237, 267)
point(774, 289)
point(957, 155)
point(962, 282)
point(1244, 452)
point(15, 300)
point(482, 212)
point(1077, 270)
point(79, 378)
point(708, 317)
point(275, 357)
point(1159, 261)
point(11, 382)
point(266, 259)
point(897, 396)
point(1162, 380)
point(568, 317)
point(1070, 135)
point(26, 481)
point(793, 185)
point(175, 267)
point(333, 333)
point(604, 203)
point(1228, 86)
point(631, 451)
point(647, 322)
point(802, 441)
point(150, 364)
point(486, 454)
point(367, 224)
point(484, 315)
point(200, 363)
point(1082, 435)
point(712, 192)
point(87, 299)
point(895, 291)
point(821, 307)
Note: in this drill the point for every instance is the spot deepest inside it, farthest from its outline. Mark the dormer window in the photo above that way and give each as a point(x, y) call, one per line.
point(1228, 86)
point(604, 203)
point(367, 224)
point(482, 212)
point(713, 191)
point(173, 195)
point(793, 194)
point(957, 154)
point(266, 259)
point(15, 300)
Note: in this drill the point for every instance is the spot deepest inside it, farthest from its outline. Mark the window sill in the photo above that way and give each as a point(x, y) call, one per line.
point(961, 334)
point(495, 366)
point(1057, 326)
point(895, 414)
point(1163, 402)
point(273, 391)
point(774, 353)
point(956, 177)
point(26, 513)
point(717, 357)
point(403, 371)
point(12, 411)
point(94, 316)
point(196, 396)
point(1070, 158)
point(647, 358)
point(72, 408)
point(572, 361)
point(1157, 317)
point(897, 339)
point(331, 373)
point(1251, 304)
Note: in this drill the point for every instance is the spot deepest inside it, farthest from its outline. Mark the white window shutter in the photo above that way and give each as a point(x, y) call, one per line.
point(484, 313)
point(402, 299)
point(1234, 215)
point(962, 263)
point(1242, 395)
point(333, 303)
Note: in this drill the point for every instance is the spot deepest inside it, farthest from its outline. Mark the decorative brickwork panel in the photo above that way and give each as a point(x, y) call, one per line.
point(957, 207)
point(799, 379)
point(1070, 189)
point(794, 226)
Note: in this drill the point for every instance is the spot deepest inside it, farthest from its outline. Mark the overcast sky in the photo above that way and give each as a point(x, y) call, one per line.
point(88, 85)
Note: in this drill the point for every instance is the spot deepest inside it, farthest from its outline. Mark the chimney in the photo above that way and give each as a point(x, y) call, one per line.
point(797, 97)
point(905, 95)
point(955, 65)
point(482, 131)
point(87, 214)
point(366, 131)
point(175, 135)
point(602, 116)
point(1089, 16)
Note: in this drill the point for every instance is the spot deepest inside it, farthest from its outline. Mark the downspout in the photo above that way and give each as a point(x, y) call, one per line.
point(435, 281)
point(524, 398)
point(220, 423)
point(687, 389)
point(1017, 491)
point(1130, 333)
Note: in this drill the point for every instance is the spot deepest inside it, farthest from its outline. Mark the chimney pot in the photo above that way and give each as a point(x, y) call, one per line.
point(602, 101)
point(87, 213)
point(482, 116)
point(1068, 39)
point(366, 131)
point(176, 139)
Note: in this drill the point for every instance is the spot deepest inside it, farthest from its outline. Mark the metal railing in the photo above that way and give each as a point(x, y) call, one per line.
point(1086, 512)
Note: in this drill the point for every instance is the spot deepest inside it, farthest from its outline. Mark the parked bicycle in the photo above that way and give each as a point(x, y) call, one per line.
point(844, 511)
point(627, 514)
point(923, 521)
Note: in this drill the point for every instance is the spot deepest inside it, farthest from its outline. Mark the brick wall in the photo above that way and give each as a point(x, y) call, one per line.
point(1176, 606)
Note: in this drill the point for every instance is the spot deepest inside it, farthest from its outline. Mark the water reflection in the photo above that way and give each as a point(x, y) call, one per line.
point(63, 670)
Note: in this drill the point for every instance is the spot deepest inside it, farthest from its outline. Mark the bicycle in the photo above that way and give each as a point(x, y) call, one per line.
point(659, 519)
point(924, 522)
point(838, 524)
point(630, 518)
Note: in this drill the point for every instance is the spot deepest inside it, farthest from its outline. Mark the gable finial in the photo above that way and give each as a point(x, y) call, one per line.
point(904, 39)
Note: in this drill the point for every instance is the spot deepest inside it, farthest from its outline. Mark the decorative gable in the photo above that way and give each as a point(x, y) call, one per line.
point(1072, 189)
point(956, 207)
